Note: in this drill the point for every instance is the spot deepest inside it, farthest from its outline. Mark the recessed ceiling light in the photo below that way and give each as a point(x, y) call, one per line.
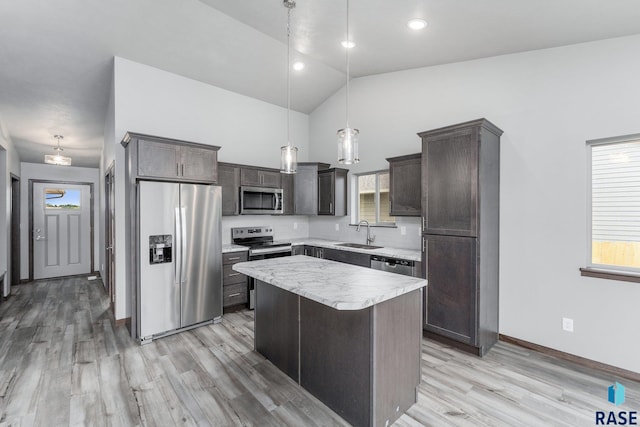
point(417, 24)
point(348, 44)
point(298, 66)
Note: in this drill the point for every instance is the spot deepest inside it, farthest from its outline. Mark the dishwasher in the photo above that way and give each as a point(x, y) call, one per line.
point(393, 265)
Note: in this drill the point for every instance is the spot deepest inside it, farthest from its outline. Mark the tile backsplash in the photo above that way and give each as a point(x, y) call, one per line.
point(320, 227)
point(284, 227)
point(325, 228)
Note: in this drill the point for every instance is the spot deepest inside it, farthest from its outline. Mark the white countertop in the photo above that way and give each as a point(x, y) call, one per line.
point(233, 248)
point(408, 254)
point(334, 284)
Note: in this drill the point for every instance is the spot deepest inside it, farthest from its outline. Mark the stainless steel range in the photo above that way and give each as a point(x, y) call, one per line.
point(261, 245)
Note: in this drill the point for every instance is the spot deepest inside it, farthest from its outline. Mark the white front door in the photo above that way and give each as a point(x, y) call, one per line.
point(61, 230)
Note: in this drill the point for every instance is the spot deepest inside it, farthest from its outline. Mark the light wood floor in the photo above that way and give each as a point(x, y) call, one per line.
point(63, 363)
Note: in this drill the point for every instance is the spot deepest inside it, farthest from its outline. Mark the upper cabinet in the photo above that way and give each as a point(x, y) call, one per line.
point(260, 177)
point(451, 162)
point(332, 192)
point(287, 194)
point(229, 180)
point(405, 194)
point(164, 158)
point(306, 188)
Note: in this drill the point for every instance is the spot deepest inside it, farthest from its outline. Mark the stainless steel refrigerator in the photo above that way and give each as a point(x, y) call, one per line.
point(180, 271)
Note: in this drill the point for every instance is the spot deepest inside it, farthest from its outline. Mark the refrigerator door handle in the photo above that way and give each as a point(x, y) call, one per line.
point(178, 247)
point(183, 244)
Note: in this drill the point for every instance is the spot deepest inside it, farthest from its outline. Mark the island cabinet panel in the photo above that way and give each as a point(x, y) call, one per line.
point(335, 350)
point(397, 324)
point(276, 328)
point(405, 195)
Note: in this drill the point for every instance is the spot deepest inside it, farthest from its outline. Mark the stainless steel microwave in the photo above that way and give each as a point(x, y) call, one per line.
point(260, 201)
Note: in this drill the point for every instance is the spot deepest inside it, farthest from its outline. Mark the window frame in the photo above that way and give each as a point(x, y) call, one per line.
point(355, 215)
point(607, 271)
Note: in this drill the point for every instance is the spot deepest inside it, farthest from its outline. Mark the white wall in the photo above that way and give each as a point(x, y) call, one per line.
point(41, 171)
point(9, 164)
point(106, 159)
point(155, 102)
point(548, 103)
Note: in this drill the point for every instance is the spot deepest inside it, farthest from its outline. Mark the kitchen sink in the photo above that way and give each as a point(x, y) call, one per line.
point(359, 246)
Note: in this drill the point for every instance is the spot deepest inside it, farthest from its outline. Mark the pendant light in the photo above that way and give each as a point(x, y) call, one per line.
point(288, 153)
point(58, 158)
point(348, 137)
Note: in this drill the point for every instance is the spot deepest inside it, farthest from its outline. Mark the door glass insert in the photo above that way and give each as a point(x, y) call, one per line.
point(58, 198)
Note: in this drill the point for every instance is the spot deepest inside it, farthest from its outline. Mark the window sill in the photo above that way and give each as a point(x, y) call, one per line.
point(377, 225)
point(609, 274)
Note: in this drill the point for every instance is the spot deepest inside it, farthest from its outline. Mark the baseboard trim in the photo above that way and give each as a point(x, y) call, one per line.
point(124, 322)
point(452, 343)
point(583, 361)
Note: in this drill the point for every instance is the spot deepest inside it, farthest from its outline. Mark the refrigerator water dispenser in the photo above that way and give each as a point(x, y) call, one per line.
point(160, 249)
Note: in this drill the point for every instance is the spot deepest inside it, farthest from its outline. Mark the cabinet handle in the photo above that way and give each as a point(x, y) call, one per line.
point(234, 258)
point(424, 245)
point(330, 207)
point(233, 274)
point(424, 223)
point(183, 169)
point(178, 169)
point(234, 295)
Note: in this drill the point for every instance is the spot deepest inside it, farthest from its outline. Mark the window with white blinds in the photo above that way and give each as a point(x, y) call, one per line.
point(615, 203)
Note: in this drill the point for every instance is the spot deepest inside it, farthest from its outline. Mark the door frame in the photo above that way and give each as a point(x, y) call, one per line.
point(109, 236)
point(15, 230)
point(30, 231)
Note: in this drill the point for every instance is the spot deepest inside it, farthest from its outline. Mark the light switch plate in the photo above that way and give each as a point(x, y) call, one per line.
point(337, 227)
point(403, 230)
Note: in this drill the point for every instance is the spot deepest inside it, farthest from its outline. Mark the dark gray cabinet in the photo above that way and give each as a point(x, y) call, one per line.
point(347, 257)
point(174, 159)
point(235, 286)
point(298, 250)
point(405, 176)
point(288, 194)
point(451, 299)
point(314, 251)
point(461, 207)
point(305, 183)
point(332, 192)
point(260, 177)
point(229, 180)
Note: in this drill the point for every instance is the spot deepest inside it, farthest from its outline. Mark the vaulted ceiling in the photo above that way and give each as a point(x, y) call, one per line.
point(56, 56)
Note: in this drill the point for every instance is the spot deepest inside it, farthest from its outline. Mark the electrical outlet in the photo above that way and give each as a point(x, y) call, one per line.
point(403, 230)
point(295, 225)
point(567, 324)
point(337, 227)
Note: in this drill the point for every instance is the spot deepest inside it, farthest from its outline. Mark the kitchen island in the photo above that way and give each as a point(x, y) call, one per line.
point(349, 335)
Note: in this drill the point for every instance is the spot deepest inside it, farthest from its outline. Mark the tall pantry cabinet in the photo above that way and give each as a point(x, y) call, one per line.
point(460, 218)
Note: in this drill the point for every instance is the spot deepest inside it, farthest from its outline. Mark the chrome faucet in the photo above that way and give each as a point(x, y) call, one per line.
point(370, 238)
